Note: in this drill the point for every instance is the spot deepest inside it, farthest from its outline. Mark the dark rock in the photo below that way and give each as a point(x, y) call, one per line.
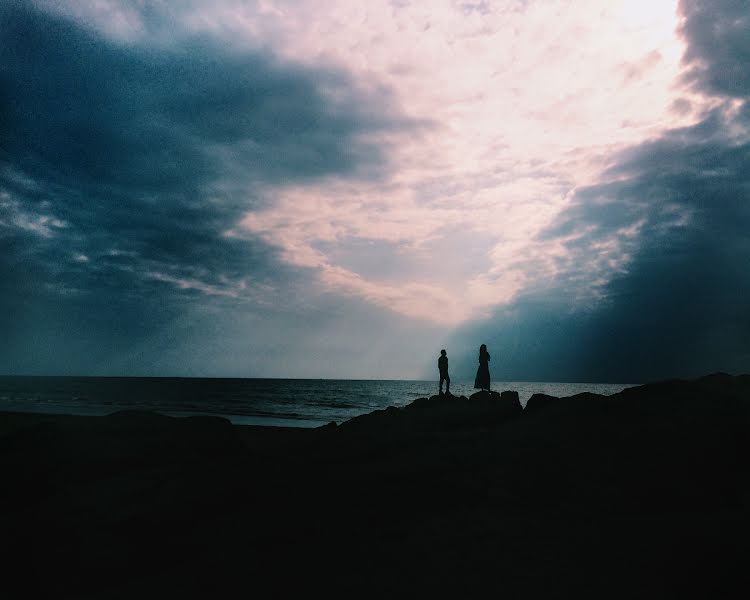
point(497, 406)
point(585, 397)
point(385, 419)
point(539, 401)
point(585, 405)
point(442, 412)
point(173, 438)
point(510, 397)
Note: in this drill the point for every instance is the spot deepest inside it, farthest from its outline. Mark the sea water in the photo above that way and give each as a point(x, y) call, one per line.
point(286, 402)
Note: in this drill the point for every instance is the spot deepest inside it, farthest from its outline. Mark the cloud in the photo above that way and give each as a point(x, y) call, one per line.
point(660, 245)
point(718, 52)
point(183, 180)
point(155, 153)
point(513, 123)
point(518, 122)
point(124, 165)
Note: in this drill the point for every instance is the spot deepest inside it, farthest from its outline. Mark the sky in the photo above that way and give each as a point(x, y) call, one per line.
point(269, 189)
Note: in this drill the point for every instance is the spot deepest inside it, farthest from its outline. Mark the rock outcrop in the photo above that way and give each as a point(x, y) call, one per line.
point(539, 402)
point(709, 394)
point(442, 412)
point(446, 412)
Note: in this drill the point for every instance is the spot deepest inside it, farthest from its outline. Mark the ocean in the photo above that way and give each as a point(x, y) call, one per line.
point(276, 402)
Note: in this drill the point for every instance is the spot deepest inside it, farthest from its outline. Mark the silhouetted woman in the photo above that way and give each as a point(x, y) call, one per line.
point(482, 380)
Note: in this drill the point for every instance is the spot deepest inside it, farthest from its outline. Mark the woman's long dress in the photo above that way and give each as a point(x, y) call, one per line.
point(482, 380)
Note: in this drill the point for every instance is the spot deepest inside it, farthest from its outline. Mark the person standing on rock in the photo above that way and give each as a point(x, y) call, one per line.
point(482, 380)
point(443, 368)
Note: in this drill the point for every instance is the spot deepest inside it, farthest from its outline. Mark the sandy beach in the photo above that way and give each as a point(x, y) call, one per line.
point(643, 494)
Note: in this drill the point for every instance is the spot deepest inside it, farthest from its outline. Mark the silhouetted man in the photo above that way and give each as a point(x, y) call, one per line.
point(443, 368)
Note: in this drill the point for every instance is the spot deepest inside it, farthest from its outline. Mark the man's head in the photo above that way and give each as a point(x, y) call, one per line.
point(442, 352)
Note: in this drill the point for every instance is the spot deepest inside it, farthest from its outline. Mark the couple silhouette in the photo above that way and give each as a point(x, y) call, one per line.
point(481, 381)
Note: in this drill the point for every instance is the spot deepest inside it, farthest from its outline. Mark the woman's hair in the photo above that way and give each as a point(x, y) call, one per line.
point(483, 349)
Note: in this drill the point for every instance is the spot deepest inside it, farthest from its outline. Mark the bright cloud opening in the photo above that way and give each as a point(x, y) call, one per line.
point(525, 103)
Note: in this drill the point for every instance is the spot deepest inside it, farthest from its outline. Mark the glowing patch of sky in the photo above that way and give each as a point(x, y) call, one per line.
point(526, 102)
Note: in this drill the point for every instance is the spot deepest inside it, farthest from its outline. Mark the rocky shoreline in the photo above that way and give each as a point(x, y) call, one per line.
point(641, 494)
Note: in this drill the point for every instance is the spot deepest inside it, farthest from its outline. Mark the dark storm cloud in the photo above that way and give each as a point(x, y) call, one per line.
point(679, 206)
point(123, 165)
point(681, 307)
point(718, 50)
point(155, 118)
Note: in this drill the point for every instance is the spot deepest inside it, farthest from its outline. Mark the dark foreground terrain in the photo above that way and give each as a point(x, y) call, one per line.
point(643, 494)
